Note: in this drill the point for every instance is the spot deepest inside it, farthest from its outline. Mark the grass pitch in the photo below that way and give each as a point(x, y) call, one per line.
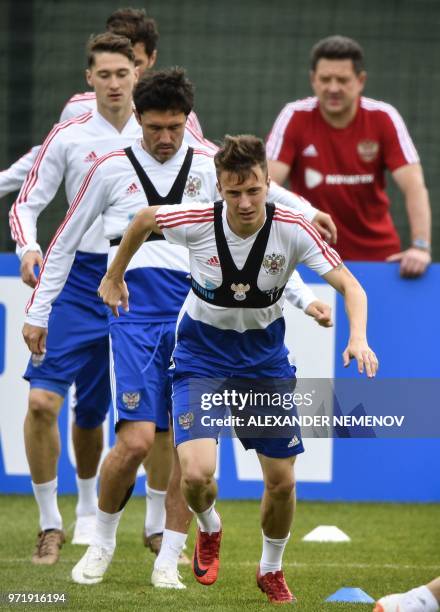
point(393, 548)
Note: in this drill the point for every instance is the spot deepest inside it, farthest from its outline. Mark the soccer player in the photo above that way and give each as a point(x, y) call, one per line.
point(77, 348)
point(424, 598)
point(335, 148)
point(142, 31)
point(143, 34)
point(231, 327)
point(159, 168)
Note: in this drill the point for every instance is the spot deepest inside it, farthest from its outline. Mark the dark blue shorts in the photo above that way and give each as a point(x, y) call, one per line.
point(141, 381)
point(77, 344)
point(206, 404)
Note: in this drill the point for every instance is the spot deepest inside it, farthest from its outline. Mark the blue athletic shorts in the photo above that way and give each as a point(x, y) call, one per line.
point(77, 343)
point(203, 401)
point(141, 381)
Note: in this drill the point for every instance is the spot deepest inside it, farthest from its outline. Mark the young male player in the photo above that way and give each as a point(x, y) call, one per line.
point(231, 328)
point(77, 348)
point(142, 31)
point(159, 168)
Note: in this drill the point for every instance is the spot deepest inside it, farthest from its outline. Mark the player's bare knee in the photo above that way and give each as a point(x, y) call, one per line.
point(197, 477)
point(137, 449)
point(280, 489)
point(134, 441)
point(44, 406)
point(134, 444)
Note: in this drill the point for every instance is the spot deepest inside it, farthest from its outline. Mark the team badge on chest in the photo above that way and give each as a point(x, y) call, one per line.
point(240, 291)
point(193, 186)
point(274, 263)
point(368, 150)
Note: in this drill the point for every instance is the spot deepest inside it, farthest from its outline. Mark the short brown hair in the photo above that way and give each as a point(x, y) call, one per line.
point(338, 48)
point(239, 154)
point(108, 43)
point(135, 25)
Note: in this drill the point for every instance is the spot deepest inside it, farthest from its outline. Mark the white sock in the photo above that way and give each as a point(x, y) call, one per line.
point(171, 547)
point(87, 497)
point(155, 514)
point(419, 599)
point(209, 520)
point(46, 498)
point(272, 555)
point(106, 527)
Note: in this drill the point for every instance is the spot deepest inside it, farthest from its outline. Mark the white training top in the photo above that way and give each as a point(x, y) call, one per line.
point(291, 238)
point(67, 153)
point(112, 189)
point(12, 178)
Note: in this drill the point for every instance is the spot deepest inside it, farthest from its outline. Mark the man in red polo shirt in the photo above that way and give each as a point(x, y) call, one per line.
point(335, 147)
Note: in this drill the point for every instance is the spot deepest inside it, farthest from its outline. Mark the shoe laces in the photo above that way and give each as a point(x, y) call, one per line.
point(96, 554)
point(208, 549)
point(170, 571)
point(275, 585)
point(47, 541)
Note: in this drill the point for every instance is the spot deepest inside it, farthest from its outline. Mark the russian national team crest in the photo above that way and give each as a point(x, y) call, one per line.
point(193, 186)
point(368, 150)
point(274, 263)
point(186, 420)
point(240, 291)
point(131, 400)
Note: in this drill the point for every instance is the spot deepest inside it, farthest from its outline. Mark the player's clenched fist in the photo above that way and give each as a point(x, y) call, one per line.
point(114, 293)
point(321, 312)
point(35, 338)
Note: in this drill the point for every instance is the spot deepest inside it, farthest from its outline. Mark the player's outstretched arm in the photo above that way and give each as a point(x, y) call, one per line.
point(356, 307)
point(113, 289)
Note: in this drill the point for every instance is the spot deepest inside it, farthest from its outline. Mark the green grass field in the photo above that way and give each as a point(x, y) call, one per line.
point(393, 547)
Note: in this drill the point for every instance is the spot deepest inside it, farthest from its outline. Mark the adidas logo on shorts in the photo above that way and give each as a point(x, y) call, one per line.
point(293, 442)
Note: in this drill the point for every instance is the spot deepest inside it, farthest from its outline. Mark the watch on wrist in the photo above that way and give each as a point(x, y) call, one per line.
point(420, 243)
